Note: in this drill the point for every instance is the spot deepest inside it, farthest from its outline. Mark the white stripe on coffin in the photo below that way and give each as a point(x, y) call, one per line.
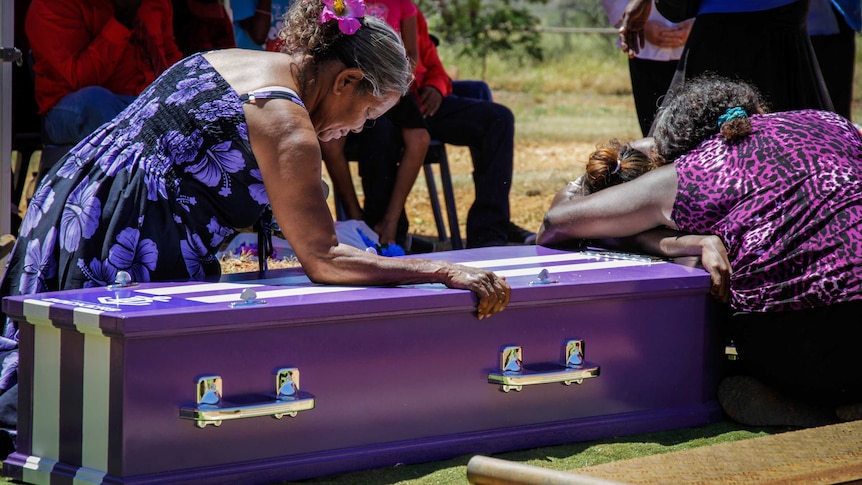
point(46, 404)
point(549, 258)
point(195, 288)
point(96, 396)
point(262, 295)
point(574, 268)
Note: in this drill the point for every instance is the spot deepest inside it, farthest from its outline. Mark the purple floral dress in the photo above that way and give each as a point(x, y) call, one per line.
point(787, 202)
point(154, 193)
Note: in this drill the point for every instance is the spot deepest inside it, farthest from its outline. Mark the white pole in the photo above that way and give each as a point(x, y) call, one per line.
point(7, 39)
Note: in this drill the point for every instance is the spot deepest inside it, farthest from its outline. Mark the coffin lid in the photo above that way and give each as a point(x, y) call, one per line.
point(149, 309)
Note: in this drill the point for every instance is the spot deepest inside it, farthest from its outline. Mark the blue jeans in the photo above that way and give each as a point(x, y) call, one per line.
point(472, 89)
point(78, 114)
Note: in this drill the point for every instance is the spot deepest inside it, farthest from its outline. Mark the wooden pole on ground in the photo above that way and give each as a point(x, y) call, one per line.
point(482, 470)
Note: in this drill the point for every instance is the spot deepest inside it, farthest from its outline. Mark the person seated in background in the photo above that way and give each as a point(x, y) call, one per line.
point(389, 221)
point(783, 192)
point(256, 23)
point(202, 25)
point(486, 127)
point(93, 57)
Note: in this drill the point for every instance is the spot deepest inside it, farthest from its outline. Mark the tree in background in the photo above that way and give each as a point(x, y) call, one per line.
point(481, 28)
point(576, 13)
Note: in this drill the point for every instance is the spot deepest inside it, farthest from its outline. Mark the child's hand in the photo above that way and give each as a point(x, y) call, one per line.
point(386, 232)
point(429, 100)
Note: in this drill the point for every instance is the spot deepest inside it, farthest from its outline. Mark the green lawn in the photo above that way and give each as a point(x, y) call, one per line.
point(562, 457)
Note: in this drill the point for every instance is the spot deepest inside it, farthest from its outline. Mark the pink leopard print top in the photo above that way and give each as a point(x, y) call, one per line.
point(787, 202)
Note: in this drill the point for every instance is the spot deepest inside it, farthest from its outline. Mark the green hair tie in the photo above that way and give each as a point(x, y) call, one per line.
point(731, 113)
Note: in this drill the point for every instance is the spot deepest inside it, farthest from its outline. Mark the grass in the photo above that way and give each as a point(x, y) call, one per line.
point(582, 93)
point(563, 457)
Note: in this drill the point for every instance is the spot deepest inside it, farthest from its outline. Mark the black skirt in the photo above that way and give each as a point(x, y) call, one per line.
point(769, 49)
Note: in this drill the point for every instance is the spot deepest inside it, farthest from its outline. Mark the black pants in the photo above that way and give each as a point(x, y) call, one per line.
point(650, 81)
point(487, 128)
point(810, 354)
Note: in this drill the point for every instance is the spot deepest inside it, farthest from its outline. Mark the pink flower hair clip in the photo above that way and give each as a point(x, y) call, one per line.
point(347, 12)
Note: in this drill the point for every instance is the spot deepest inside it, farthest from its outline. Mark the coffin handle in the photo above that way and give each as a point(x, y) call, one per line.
point(211, 409)
point(514, 376)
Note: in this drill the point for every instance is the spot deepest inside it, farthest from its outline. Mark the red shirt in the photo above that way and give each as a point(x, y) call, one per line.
point(79, 43)
point(429, 71)
point(393, 12)
point(201, 25)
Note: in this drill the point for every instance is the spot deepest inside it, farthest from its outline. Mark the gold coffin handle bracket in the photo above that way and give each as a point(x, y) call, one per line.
point(211, 409)
point(513, 375)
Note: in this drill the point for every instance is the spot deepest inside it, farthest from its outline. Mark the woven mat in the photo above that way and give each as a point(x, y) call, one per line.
point(828, 454)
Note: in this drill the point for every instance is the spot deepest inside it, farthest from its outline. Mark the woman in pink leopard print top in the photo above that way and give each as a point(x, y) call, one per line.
point(783, 193)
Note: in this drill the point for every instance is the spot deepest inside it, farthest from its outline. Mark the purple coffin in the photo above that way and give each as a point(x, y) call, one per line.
point(174, 382)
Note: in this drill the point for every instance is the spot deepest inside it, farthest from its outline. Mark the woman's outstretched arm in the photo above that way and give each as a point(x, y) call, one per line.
point(619, 211)
point(674, 244)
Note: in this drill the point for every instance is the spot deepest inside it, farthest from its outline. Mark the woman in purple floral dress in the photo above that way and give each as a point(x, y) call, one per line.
point(783, 193)
point(204, 150)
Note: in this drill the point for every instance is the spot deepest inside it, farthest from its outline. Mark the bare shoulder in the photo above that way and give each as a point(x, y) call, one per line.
point(247, 70)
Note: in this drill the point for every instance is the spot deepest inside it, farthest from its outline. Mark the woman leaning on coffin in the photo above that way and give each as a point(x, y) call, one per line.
point(612, 164)
point(781, 193)
point(207, 148)
point(214, 141)
point(341, 95)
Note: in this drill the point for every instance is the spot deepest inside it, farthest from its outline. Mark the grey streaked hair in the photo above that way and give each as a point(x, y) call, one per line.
point(376, 49)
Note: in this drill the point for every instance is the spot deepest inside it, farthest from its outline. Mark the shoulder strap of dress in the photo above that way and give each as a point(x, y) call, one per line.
point(271, 92)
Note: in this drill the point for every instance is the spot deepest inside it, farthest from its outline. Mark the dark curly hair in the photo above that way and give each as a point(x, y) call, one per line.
point(691, 112)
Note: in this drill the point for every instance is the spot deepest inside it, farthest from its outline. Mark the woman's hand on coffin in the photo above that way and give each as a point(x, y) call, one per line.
point(714, 260)
point(492, 290)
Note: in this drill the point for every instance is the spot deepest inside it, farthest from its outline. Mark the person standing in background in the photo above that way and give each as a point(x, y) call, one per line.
point(256, 23)
point(652, 69)
point(763, 43)
point(832, 26)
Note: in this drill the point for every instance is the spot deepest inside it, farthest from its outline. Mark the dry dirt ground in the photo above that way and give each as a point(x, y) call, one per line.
point(540, 170)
